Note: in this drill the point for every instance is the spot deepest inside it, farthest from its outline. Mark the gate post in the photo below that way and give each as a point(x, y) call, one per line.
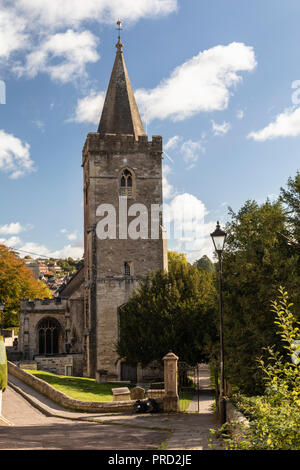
point(171, 399)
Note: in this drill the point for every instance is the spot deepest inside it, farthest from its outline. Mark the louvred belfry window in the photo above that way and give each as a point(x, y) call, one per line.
point(126, 183)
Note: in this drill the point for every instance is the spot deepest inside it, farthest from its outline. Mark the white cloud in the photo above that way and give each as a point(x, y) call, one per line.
point(37, 250)
point(220, 129)
point(286, 124)
point(72, 251)
point(11, 242)
point(24, 23)
point(13, 228)
point(12, 32)
point(58, 13)
point(172, 142)
point(72, 236)
point(186, 227)
point(201, 84)
point(191, 151)
point(74, 49)
point(88, 109)
point(168, 188)
point(14, 156)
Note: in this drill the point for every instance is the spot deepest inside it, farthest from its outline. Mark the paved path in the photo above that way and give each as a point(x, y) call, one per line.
point(202, 402)
point(58, 428)
point(33, 430)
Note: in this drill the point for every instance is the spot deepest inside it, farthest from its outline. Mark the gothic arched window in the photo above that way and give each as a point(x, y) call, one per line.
point(126, 183)
point(48, 335)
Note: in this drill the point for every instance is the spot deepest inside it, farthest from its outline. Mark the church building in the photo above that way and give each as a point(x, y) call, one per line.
point(122, 184)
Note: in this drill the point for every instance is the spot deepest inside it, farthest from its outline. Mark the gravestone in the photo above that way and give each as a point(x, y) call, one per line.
point(137, 393)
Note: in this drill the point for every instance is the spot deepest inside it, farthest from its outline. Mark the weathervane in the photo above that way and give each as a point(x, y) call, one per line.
point(119, 28)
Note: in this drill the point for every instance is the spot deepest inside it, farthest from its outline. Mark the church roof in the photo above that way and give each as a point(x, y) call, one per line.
point(66, 290)
point(120, 113)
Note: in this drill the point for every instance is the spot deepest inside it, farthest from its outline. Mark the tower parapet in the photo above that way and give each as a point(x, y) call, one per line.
point(123, 143)
point(40, 305)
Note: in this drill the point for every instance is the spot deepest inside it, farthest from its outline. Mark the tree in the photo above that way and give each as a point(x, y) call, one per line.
point(290, 197)
point(257, 260)
point(171, 311)
point(176, 259)
point(205, 264)
point(17, 282)
point(275, 416)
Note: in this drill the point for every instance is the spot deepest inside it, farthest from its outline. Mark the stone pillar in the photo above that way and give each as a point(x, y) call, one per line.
point(171, 399)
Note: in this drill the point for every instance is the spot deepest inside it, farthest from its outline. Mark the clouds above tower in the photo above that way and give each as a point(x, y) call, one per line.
point(54, 37)
point(201, 84)
point(73, 49)
point(60, 13)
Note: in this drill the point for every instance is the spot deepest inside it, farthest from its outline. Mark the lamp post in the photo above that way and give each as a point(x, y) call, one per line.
point(218, 238)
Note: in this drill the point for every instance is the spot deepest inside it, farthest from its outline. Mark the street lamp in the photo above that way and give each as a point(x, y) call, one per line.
point(218, 238)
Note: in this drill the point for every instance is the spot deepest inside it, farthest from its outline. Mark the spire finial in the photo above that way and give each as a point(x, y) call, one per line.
point(119, 44)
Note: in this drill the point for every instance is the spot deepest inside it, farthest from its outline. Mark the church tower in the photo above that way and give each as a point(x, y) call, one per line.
point(123, 233)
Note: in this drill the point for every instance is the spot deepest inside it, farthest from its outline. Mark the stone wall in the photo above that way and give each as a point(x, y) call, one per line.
point(55, 364)
point(64, 400)
point(238, 423)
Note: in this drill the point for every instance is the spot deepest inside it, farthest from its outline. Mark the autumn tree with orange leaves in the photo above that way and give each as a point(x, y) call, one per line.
point(16, 282)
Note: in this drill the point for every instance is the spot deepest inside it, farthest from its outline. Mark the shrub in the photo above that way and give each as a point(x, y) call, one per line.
point(275, 416)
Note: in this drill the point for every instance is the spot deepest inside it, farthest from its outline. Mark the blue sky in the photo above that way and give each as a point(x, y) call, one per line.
point(213, 77)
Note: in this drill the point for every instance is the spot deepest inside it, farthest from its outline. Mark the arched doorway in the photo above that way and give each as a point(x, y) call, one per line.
point(49, 331)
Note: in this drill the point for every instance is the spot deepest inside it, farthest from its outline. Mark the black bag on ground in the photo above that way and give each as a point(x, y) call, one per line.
point(148, 406)
point(152, 406)
point(140, 406)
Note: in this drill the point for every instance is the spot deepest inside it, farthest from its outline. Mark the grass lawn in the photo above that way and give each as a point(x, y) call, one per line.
point(85, 389)
point(80, 388)
point(185, 399)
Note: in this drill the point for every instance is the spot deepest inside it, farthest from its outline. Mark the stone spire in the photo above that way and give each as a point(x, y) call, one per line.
point(120, 113)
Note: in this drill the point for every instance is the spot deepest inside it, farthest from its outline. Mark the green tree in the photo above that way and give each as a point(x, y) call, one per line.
point(205, 263)
point(17, 282)
point(171, 311)
point(290, 197)
point(176, 259)
point(257, 259)
point(275, 416)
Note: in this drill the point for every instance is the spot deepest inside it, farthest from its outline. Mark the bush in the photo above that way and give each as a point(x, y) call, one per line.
point(275, 416)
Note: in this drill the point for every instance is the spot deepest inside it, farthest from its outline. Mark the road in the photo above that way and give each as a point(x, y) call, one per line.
point(32, 430)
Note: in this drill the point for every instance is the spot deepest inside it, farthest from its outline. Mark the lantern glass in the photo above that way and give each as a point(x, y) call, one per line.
point(218, 237)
